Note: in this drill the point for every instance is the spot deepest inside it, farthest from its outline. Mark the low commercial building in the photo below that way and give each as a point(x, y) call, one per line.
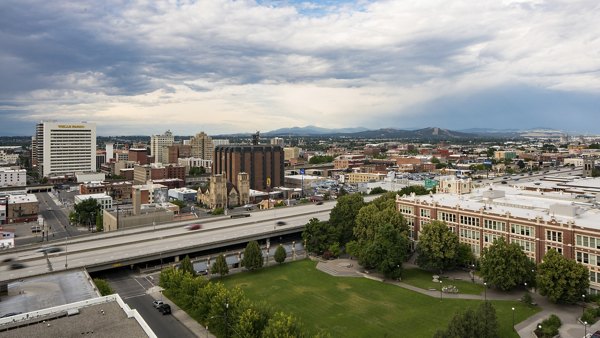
point(22, 208)
point(7, 239)
point(364, 177)
point(89, 177)
point(13, 177)
point(183, 194)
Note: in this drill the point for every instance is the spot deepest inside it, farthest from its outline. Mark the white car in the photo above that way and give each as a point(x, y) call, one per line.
point(157, 303)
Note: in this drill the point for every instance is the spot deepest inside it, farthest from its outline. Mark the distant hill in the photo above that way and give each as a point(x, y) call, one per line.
point(425, 133)
point(311, 131)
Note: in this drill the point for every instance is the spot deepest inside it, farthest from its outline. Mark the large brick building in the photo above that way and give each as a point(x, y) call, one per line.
point(537, 221)
point(263, 163)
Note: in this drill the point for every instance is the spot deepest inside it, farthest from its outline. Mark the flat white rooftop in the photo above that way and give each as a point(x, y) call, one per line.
point(523, 204)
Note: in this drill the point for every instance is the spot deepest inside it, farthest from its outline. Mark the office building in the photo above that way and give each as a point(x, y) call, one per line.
point(63, 148)
point(202, 146)
point(537, 221)
point(263, 164)
point(158, 144)
point(178, 151)
point(277, 141)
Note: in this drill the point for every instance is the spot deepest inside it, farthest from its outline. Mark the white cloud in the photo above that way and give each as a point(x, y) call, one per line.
point(276, 65)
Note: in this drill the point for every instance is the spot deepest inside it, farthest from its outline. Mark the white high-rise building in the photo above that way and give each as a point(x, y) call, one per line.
point(10, 177)
point(62, 148)
point(157, 144)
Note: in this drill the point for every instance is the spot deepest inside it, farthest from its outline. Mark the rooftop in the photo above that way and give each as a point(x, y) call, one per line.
point(563, 207)
point(23, 198)
point(101, 317)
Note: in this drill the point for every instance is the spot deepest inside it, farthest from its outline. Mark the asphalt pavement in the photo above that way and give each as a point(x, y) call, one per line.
point(139, 292)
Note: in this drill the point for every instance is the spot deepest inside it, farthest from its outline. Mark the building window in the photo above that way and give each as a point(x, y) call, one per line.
point(425, 213)
point(554, 236)
point(447, 217)
point(494, 225)
point(522, 230)
point(469, 220)
point(406, 209)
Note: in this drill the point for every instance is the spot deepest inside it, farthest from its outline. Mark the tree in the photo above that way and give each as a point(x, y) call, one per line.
point(99, 222)
point(85, 211)
point(386, 251)
point(280, 254)
point(180, 204)
point(220, 266)
point(282, 326)
point(187, 266)
point(506, 266)
point(253, 258)
point(438, 247)
point(318, 235)
point(377, 190)
point(319, 159)
point(560, 279)
point(343, 215)
point(472, 323)
point(103, 287)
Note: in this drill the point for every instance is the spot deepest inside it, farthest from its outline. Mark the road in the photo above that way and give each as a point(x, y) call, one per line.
point(123, 245)
point(133, 290)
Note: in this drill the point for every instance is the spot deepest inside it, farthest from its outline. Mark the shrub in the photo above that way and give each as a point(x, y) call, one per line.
point(527, 298)
point(103, 287)
point(590, 315)
point(549, 327)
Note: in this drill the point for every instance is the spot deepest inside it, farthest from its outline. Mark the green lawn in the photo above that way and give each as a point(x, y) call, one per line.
point(423, 279)
point(359, 307)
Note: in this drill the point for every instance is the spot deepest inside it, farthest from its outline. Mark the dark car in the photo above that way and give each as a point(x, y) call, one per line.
point(503, 182)
point(17, 266)
point(320, 203)
point(49, 249)
point(11, 314)
point(165, 309)
point(280, 223)
point(193, 226)
point(595, 334)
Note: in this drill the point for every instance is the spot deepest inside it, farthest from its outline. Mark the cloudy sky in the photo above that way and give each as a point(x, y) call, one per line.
point(140, 67)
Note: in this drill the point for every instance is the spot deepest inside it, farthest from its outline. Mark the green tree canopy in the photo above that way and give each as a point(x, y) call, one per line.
point(506, 266)
point(562, 280)
point(85, 212)
point(438, 247)
point(319, 159)
point(187, 266)
point(253, 258)
point(280, 254)
point(472, 323)
point(343, 215)
point(220, 266)
point(282, 326)
point(318, 235)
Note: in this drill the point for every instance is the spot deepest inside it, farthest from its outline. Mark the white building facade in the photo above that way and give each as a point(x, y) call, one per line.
point(62, 148)
point(13, 177)
point(105, 201)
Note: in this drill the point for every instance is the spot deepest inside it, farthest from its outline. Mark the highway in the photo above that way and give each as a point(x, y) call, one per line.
point(141, 244)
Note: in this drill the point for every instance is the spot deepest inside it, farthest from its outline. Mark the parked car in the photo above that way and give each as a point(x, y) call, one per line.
point(157, 303)
point(280, 223)
point(165, 309)
point(595, 334)
point(193, 226)
point(320, 203)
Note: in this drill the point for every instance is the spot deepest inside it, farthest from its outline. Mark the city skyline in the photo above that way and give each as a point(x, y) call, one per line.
point(236, 67)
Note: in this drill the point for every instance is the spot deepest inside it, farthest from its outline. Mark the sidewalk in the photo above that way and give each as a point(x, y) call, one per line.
point(568, 314)
point(180, 315)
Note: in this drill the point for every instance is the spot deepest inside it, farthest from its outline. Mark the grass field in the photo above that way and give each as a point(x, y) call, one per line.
point(423, 280)
point(359, 307)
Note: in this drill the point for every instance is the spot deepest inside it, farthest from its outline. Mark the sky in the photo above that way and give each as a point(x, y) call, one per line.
point(140, 67)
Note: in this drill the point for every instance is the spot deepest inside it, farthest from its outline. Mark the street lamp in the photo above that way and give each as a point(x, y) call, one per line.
point(485, 290)
point(583, 305)
point(513, 318)
point(440, 290)
point(584, 329)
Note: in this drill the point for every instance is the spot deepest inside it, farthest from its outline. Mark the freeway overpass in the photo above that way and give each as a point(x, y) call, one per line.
point(133, 246)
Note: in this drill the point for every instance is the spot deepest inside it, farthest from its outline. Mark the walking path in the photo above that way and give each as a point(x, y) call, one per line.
point(568, 314)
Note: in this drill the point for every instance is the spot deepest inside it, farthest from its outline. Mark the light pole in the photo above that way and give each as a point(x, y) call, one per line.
point(485, 290)
point(440, 290)
point(583, 305)
point(513, 318)
point(584, 329)
point(226, 328)
point(66, 252)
